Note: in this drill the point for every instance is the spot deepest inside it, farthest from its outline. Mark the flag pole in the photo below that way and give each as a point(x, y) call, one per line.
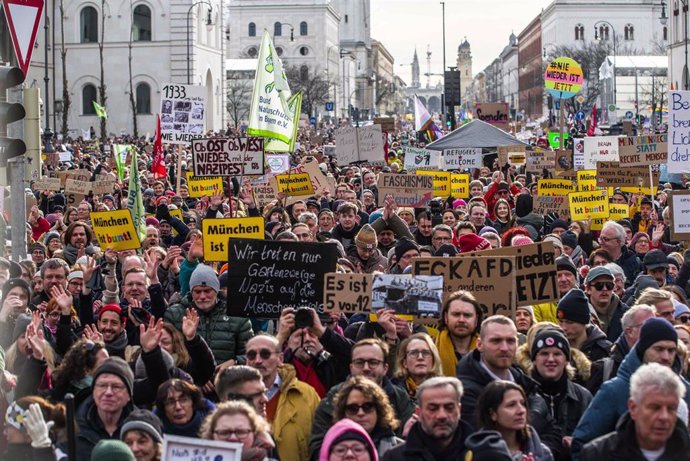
point(179, 168)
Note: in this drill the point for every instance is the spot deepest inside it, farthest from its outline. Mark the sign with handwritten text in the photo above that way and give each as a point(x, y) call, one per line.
point(679, 132)
point(177, 448)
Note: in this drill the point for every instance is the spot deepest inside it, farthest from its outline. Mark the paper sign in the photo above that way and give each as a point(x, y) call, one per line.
point(295, 184)
point(75, 186)
point(505, 151)
point(600, 149)
point(460, 159)
point(416, 296)
point(183, 111)
point(643, 150)
point(679, 132)
point(538, 161)
point(329, 150)
point(46, 183)
point(387, 123)
point(371, 145)
point(278, 163)
point(579, 153)
point(613, 175)
point(348, 293)
point(204, 187)
point(216, 233)
point(103, 186)
point(264, 276)
point(585, 205)
point(441, 182)
point(176, 448)
point(586, 180)
point(346, 145)
point(421, 159)
point(564, 162)
point(409, 190)
point(554, 187)
point(460, 185)
point(494, 113)
point(680, 211)
point(115, 229)
point(544, 204)
point(228, 156)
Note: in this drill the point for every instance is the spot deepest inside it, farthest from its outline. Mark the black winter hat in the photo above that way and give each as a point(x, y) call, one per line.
point(118, 367)
point(446, 250)
point(487, 446)
point(654, 330)
point(549, 337)
point(403, 246)
point(655, 259)
point(558, 223)
point(523, 205)
point(564, 263)
point(14, 283)
point(574, 306)
point(569, 238)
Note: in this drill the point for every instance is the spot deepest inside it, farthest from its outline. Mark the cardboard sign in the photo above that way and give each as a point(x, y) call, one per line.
point(491, 279)
point(363, 144)
point(319, 180)
point(460, 159)
point(421, 159)
point(441, 182)
point(460, 185)
point(279, 163)
point(680, 211)
point(418, 296)
point(544, 204)
point(600, 149)
point(494, 113)
point(103, 186)
point(643, 150)
point(264, 276)
point(263, 193)
point(228, 156)
point(564, 162)
point(387, 123)
point(554, 187)
point(46, 183)
point(348, 293)
point(586, 180)
point(409, 190)
point(295, 184)
point(504, 153)
point(75, 186)
point(585, 205)
point(204, 187)
point(678, 160)
point(538, 161)
point(613, 175)
point(217, 231)
point(183, 111)
point(176, 448)
point(115, 229)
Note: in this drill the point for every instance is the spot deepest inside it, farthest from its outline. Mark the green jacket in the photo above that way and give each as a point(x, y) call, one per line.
point(226, 336)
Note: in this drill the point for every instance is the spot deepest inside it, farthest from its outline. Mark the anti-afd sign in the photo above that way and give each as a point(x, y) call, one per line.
point(228, 156)
point(643, 150)
point(217, 231)
point(494, 113)
point(264, 276)
point(409, 190)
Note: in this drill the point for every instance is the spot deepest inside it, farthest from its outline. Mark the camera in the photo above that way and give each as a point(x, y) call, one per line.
point(435, 210)
point(303, 318)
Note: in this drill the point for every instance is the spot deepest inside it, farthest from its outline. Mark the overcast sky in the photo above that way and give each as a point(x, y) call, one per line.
point(402, 25)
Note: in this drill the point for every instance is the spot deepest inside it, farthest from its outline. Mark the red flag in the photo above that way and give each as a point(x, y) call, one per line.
point(593, 124)
point(158, 164)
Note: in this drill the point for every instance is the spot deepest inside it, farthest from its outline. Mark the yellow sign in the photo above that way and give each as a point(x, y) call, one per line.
point(441, 182)
point(586, 180)
point(551, 187)
point(295, 184)
point(115, 229)
point(460, 185)
point(216, 233)
point(617, 211)
point(584, 205)
point(204, 186)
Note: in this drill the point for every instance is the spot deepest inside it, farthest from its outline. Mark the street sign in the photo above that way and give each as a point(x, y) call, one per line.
point(23, 17)
point(579, 115)
point(629, 114)
point(612, 107)
point(329, 106)
point(312, 120)
point(580, 99)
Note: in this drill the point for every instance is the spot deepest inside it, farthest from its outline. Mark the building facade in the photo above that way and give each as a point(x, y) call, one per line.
point(676, 14)
point(530, 72)
point(384, 83)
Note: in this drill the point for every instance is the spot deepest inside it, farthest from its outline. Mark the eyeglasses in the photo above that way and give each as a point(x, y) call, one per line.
point(373, 363)
point(353, 408)
point(684, 319)
point(341, 450)
point(183, 400)
point(607, 239)
point(643, 241)
point(418, 353)
point(247, 397)
point(241, 434)
point(115, 388)
point(599, 286)
point(265, 354)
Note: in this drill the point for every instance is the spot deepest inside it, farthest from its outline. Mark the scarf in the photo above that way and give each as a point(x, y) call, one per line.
point(307, 373)
point(192, 427)
point(411, 387)
point(446, 350)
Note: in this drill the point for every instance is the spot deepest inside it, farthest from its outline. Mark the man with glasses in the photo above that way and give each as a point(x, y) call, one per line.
point(241, 382)
point(38, 253)
point(612, 240)
point(599, 286)
point(291, 403)
point(441, 235)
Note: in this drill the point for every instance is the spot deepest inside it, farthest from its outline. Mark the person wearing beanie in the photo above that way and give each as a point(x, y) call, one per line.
point(558, 227)
point(658, 343)
point(389, 228)
point(574, 317)
point(572, 248)
point(525, 216)
point(520, 240)
point(364, 254)
point(346, 436)
point(225, 335)
point(468, 243)
point(111, 450)
point(599, 286)
point(37, 251)
point(143, 434)
point(111, 323)
point(487, 445)
point(52, 242)
point(405, 250)
point(656, 264)
point(566, 279)
point(557, 243)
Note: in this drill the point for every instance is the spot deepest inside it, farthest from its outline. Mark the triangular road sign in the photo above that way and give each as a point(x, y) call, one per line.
point(23, 17)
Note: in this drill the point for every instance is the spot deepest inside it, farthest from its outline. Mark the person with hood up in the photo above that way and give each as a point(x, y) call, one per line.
point(347, 437)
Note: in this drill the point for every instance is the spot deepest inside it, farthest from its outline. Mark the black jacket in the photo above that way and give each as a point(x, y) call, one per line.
point(615, 326)
point(417, 448)
point(630, 264)
point(598, 374)
point(596, 345)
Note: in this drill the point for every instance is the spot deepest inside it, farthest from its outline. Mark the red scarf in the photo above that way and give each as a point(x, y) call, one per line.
point(307, 373)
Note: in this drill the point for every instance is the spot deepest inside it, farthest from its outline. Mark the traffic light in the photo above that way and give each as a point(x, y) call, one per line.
point(9, 113)
point(451, 87)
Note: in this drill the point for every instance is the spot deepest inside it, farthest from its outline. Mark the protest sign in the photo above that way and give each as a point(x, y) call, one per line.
point(103, 185)
point(409, 190)
point(643, 150)
point(278, 163)
point(460, 185)
point(600, 149)
point(115, 229)
point(460, 159)
point(183, 110)
point(586, 180)
point(177, 448)
point(263, 193)
point(494, 113)
point(554, 138)
point(264, 276)
point(613, 175)
point(678, 160)
point(415, 296)
point(228, 156)
point(504, 153)
point(348, 293)
point(579, 153)
point(76, 186)
point(424, 159)
point(441, 182)
point(47, 183)
point(564, 162)
point(491, 279)
point(319, 180)
point(680, 210)
point(370, 140)
point(295, 184)
point(217, 231)
point(554, 187)
point(618, 211)
point(563, 77)
point(329, 150)
point(538, 161)
point(544, 204)
point(386, 123)
point(585, 205)
point(204, 187)
point(346, 146)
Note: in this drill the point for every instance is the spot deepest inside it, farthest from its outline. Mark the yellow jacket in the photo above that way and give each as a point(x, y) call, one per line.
point(545, 312)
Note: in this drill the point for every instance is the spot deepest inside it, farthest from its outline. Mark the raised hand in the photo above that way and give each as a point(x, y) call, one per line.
point(658, 233)
point(36, 427)
point(63, 298)
point(36, 340)
point(190, 323)
point(149, 338)
point(386, 318)
point(88, 269)
point(91, 333)
point(196, 251)
point(110, 257)
point(152, 262)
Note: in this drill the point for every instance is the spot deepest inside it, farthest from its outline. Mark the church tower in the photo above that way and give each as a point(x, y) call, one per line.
point(465, 66)
point(415, 70)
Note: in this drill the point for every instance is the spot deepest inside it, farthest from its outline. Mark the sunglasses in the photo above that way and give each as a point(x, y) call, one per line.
point(599, 286)
point(265, 354)
point(684, 319)
point(353, 408)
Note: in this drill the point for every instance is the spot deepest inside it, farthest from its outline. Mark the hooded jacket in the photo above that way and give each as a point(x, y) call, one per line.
point(340, 428)
point(596, 345)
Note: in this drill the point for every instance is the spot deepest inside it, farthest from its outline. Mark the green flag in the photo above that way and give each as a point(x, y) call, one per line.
point(275, 145)
point(100, 111)
point(135, 201)
point(120, 158)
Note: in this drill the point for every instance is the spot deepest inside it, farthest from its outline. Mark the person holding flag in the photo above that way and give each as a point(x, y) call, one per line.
point(423, 122)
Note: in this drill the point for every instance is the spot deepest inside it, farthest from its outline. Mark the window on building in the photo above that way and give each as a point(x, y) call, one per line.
point(579, 32)
point(143, 94)
point(88, 25)
point(88, 96)
point(141, 23)
point(303, 28)
point(629, 32)
point(279, 51)
point(304, 73)
point(665, 33)
point(252, 29)
point(252, 52)
point(603, 32)
point(277, 29)
point(304, 51)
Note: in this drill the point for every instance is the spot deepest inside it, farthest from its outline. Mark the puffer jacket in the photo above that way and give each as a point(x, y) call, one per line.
point(340, 428)
point(226, 336)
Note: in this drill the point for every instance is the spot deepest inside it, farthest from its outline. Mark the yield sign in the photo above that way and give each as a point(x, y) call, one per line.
point(23, 17)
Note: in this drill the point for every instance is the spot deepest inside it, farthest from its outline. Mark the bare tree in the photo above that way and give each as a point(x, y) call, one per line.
point(101, 87)
point(654, 95)
point(66, 101)
point(132, 102)
point(239, 96)
point(384, 90)
point(315, 88)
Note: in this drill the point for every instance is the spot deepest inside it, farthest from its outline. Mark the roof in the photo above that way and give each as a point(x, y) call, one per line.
point(646, 62)
point(475, 134)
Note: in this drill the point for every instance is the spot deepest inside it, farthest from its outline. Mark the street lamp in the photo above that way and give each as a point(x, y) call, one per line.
point(292, 31)
point(605, 37)
point(209, 25)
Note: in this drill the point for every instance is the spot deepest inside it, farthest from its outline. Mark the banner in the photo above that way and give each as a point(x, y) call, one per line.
point(295, 184)
point(600, 149)
point(585, 205)
point(554, 187)
point(679, 132)
point(115, 229)
point(135, 201)
point(183, 111)
point(421, 159)
point(643, 150)
point(441, 181)
point(120, 151)
point(460, 185)
point(228, 156)
point(613, 175)
point(494, 113)
point(264, 276)
point(348, 293)
point(205, 186)
point(680, 210)
point(460, 159)
point(409, 190)
point(216, 233)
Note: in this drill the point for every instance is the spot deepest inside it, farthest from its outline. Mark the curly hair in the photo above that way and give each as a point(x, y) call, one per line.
point(79, 361)
point(385, 415)
point(256, 421)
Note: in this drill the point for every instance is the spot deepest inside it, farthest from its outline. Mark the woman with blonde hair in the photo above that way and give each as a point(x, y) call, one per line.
point(416, 360)
point(30, 357)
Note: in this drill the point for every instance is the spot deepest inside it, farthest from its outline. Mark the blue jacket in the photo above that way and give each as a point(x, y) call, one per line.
point(609, 404)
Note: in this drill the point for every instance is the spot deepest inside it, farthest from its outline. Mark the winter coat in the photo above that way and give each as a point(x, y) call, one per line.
point(420, 447)
point(384, 440)
point(202, 363)
point(545, 312)
point(226, 336)
point(615, 326)
point(90, 429)
point(376, 261)
point(596, 345)
point(347, 238)
point(533, 223)
point(25, 452)
point(581, 366)
point(630, 264)
point(601, 371)
point(340, 428)
point(621, 445)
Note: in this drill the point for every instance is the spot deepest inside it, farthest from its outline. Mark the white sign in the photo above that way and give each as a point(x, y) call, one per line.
point(421, 159)
point(371, 145)
point(679, 132)
point(600, 149)
point(228, 156)
point(278, 163)
point(579, 154)
point(460, 159)
point(192, 449)
point(346, 145)
point(183, 111)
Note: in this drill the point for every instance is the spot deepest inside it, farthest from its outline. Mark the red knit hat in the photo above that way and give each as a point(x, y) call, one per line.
point(113, 308)
point(520, 240)
point(468, 243)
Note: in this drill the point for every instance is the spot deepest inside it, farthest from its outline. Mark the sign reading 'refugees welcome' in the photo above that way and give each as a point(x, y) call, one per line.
point(266, 276)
